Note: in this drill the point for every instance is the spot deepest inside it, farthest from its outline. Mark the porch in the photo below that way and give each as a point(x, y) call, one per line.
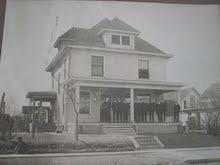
point(42, 110)
point(118, 101)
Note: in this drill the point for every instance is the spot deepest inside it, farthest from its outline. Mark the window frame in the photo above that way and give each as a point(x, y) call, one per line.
point(129, 40)
point(184, 104)
point(93, 65)
point(148, 61)
point(59, 83)
point(65, 72)
point(89, 92)
point(118, 35)
point(192, 101)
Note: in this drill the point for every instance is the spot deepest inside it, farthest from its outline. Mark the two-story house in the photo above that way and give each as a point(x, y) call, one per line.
point(109, 60)
point(189, 104)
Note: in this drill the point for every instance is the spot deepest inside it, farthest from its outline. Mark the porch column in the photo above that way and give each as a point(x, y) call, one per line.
point(179, 102)
point(178, 98)
point(132, 105)
point(77, 97)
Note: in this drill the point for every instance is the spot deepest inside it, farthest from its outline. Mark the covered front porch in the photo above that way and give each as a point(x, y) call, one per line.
point(116, 101)
point(41, 111)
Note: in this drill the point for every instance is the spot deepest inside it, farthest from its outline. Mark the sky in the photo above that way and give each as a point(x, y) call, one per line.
point(190, 32)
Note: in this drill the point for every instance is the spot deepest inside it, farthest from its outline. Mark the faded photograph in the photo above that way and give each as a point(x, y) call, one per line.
point(110, 83)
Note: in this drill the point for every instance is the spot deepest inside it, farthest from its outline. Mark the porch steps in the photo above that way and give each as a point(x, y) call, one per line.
point(148, 142)
point(118, 129)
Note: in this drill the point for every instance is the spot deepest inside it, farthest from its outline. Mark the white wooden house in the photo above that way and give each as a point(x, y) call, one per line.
point(107, 60)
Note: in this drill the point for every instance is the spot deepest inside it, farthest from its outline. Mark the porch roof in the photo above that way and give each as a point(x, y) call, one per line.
point(119, 83)
point(42, 95)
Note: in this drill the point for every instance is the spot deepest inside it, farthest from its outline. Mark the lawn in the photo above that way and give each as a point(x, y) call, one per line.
point(62, 143)
point(189, 140)
point(65, 143)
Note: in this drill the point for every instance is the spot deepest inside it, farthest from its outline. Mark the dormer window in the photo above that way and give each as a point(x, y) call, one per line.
point(120, 40)
point(125, 40)
point(116, 39)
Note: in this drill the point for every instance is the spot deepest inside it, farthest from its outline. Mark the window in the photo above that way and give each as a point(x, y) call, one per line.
point(143, 98)
point(192, 101)
point(143, 69)
point(52, 75)
point(97, 66)
point(64, 69)
point(84, 107)
point(125, 40)
point(185, 104)
point(115, 39)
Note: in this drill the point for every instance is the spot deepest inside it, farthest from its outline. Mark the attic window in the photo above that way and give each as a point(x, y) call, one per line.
point(125, 40)
point(116, 39)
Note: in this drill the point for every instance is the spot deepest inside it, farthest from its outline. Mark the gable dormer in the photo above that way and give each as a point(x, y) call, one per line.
point(117, 34)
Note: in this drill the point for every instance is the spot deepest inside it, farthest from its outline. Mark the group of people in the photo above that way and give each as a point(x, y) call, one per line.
point(117, 110)
point(145, 112)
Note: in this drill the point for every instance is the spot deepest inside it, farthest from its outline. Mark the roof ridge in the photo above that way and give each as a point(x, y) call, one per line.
point(100, 22)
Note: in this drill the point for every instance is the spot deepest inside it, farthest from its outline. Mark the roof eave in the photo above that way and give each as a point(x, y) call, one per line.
point(53, 63)
point(121, 31)
point(164, 55)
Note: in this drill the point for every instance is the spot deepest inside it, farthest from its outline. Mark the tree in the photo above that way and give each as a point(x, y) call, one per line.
point(71, 94)
point(6, 121)
point(72, 97)
point(210, 101)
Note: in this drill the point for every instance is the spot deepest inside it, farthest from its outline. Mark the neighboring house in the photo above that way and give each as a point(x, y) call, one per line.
point(209, 102)
point(189, 100)
point(210, 99)
point(109, 60)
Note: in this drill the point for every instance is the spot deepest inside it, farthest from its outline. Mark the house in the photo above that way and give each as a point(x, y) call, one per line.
point(111, 61)
point(189, 102)
point(209, 104)
point(41, 110)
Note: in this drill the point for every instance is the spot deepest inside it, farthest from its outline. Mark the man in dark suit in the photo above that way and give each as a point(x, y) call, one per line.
point(176, 112)
point(114, 109)
point(147, 108)
point(164, 111)
point(152, 109)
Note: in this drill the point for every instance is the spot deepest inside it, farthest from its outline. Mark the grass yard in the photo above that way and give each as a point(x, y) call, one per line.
point(63, 143)
point(189, 140)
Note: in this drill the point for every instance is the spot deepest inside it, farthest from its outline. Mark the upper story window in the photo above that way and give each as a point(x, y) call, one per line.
point(120, 39)
point(97, 66)
point(143, 69)
point(115, 39)
point(125, 40)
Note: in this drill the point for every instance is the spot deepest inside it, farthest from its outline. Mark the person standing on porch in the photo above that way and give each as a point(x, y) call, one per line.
point(135, 111)
point(118, 109)
point(164, 111)
point(176, 112)
point(121, 110)
point(142, 106)
point(151, 112)
point(158, 111)
point(114, 109)
point(127, 107)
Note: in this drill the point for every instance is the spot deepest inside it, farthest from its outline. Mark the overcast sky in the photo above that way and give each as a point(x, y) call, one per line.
point(190, 32)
